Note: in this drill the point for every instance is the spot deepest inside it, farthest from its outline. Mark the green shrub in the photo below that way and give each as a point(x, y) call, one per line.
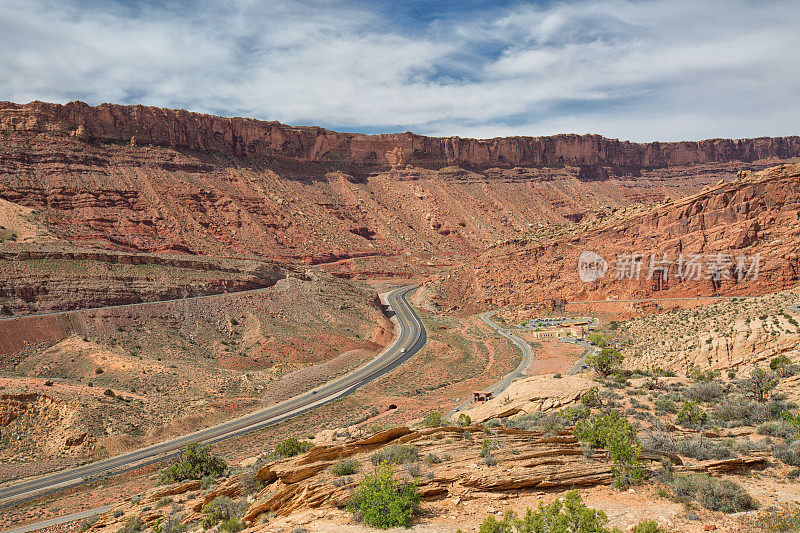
point(382, 502)
point(574, 413)
point(713, 493)
point(620, 378)
point(414, 469)
point(231, 525)
point(599, 338)
point(647, 526)
point(788, 452)
point(592, 398)
point(791, 420)
point(777, 428)
point(605, 361)
point(663, 403)
point(395, 454)
point(345, 467)
point(108, 392)
point(487, 446)
point(166, 500)
point(98, 370)
point(779, 362)
point(222, 509)
point(87, 523)
point(702, 449)
point(434, 419)
point(197, 462)
point(432, 459)
point(704, 391)
point(738, 410)
point(464, 420)
point(132, 525)
point(550, 422)
point(786, 520)
point(170, 524)
point(249, 483)
point(697, 448)
point(570, 517)
point(761, 382)
point(690, 414)
point(614, 433)
point(703, 375)
point(291, 447)
point(662, 372)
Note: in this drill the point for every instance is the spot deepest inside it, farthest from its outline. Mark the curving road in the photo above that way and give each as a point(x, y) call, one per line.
point(411, 339)
point(591, 349)
point(527, 356)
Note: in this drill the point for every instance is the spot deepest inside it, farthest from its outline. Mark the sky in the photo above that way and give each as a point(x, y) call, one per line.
point(637, 70)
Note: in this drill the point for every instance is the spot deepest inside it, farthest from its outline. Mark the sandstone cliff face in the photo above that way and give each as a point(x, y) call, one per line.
point(253, 138)
point(758, 214)
point(146, 198)
point(34, 280)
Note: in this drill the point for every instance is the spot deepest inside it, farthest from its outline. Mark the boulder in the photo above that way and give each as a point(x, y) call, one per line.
point(533, 394)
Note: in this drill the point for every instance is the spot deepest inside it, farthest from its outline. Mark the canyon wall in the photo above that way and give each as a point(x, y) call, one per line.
point(244, 137)
point(754, 215)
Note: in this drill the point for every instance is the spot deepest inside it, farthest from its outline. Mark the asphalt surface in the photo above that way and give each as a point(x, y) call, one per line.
point(527, 354)
point(500, 386)
point(60, 520)
point(591, 349)
point(412, 338)
point(525, 348)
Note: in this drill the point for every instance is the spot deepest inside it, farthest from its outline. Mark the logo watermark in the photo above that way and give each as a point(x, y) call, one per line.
point(685, 267)
point(591, 266)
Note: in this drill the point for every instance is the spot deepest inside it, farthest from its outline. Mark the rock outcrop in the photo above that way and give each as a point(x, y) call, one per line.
point(138, 125)
point(531, 395)
point(748, 219)
point(528, 459)
point(454, 472)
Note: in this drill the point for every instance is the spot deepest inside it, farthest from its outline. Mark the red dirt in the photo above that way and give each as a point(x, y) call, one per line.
point(553, 356)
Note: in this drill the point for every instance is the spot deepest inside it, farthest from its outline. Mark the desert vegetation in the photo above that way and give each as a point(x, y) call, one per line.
point(196, 462)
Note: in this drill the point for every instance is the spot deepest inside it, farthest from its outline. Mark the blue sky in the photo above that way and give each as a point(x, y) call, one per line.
point(638, 70)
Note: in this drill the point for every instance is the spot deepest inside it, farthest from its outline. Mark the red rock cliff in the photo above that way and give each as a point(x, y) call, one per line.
point(254, 138)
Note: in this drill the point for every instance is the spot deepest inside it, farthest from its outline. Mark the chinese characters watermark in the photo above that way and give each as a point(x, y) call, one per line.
point(716, 266)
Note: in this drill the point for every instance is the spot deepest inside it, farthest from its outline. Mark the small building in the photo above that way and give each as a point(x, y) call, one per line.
point(482, 396)
point(549, 333)
point(577, 331)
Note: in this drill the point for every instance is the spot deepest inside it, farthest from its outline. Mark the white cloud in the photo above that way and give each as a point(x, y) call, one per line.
point(640, 70)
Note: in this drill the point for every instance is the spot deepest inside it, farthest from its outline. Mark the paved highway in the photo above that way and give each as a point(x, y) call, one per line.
point(527, 353)
point(500, 386)
point(59, 520)
point(591, 349)
point(411, 339)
